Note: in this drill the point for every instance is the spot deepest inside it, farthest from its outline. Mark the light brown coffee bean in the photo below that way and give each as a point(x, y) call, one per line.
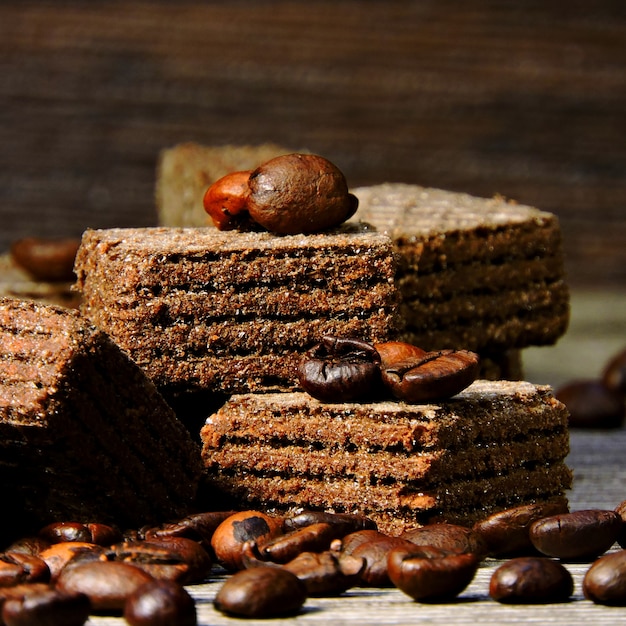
point(229, 537)
point(46, 259)
point(433, 376)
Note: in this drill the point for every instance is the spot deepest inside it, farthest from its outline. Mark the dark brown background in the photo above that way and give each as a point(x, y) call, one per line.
point(526, 99)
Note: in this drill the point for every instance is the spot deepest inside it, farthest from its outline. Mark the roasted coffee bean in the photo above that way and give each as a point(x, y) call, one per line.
point(577, 536)
point(592, 405)
point(429, 574)
point(192, 553)
point(17, 568)
point(605, 581)
point(66, 531)
point(197, 526)
point(46, 259)
point(392, 352)
point(531, 580)
point(449, 537)
point(160, 603)
point(346, 522)
point(340, 370)
point(506, 533)
point(59, 555)
point(100, 534)
point(614, 374)
point(229, 537)
point(433, 376)
point(261, 592)
point(312, 538)
point(22, 590)
point(327, 573)
point(46, 608)
point(29, 545)
point(373, 547)
point(166, 558)
point(107, 583)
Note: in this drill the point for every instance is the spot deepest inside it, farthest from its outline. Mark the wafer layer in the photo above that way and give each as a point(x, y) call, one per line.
point(491, 446)
point(84, 434)
point(481, 274)
point(205, 309)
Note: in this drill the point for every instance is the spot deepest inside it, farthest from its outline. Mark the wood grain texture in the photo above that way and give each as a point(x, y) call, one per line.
point(526, 100)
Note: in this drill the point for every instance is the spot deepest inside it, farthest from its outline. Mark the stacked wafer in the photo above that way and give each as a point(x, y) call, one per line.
point(495, 445)
point(200, 309)
point(84, 434)
point(481, 274)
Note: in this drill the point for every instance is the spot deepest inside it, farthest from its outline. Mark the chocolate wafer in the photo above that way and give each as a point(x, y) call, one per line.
point(201, 309)
point(84, 434)
point(492, 446)
point(481, 274)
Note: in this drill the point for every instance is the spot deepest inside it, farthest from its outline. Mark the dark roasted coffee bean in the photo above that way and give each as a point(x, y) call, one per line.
point(107, 583)
point(47, 608)
point(346, 522)
point(59, 555)
point(340, 370)
point(66, 531)
point(261, 592)
point(605, 581)
point(373, 547)
point(433, 376)
point(100, 534)
point(160, 603)
point(285, 547)
point(22, 590)
point(197, 526)
point(506, 533)
point(531, 580)
point(167, 558)
point(29, 545)
point(577, 536)
point(448, 537)
point(429, 574)
point(592, 405)
point(229, 537)
point(17, 568)
point(326, 573)
point(614, 374)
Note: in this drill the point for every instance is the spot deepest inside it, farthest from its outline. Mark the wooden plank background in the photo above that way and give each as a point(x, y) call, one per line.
point(523, 99)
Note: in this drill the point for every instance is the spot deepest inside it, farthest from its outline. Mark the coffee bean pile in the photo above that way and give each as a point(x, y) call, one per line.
point(272, 564)
point(601, 402)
